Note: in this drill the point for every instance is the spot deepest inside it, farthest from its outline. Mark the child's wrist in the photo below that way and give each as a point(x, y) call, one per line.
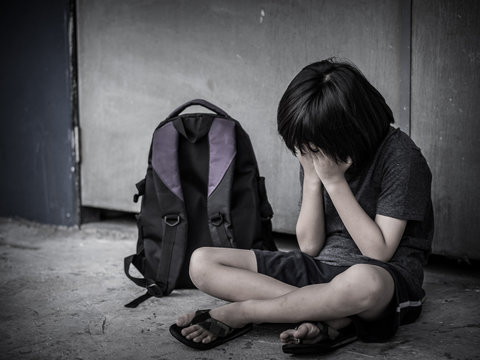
point(312, 181)
point(333, 184)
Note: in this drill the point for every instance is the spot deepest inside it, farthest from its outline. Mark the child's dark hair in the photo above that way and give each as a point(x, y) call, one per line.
point(331, 106)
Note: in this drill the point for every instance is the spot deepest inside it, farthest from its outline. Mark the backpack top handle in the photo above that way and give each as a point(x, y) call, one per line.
point(200, 102)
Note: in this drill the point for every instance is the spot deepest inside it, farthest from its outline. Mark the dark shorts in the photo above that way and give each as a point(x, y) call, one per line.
point(299, 269)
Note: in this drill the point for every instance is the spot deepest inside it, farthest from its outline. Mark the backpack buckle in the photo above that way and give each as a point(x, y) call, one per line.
point(154, 290)
point(171, 220)
point(216, 219)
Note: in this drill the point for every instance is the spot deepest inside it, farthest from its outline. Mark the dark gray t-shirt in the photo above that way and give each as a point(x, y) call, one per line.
point(396, 183)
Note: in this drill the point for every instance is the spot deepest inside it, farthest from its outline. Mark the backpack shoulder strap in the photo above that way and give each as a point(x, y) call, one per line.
point(164, 149)
point(223, 150)
point(172, 212)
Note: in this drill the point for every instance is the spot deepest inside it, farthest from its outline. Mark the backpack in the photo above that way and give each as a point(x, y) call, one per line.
point(202, 188)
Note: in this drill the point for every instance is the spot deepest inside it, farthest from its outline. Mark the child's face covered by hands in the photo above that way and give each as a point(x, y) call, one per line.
point(326, 169)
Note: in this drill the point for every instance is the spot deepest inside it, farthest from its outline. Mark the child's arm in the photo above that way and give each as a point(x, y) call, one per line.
point(311, 222)
point(377, 239)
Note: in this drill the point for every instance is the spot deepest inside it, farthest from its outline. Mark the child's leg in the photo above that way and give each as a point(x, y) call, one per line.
point(231, 274)
point(365, 290)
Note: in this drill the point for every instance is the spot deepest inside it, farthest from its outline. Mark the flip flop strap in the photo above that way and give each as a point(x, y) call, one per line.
point(203, 319)
point(327, 331)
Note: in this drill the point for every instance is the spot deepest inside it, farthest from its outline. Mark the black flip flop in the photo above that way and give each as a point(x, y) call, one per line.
point(325, 345)
point(221, 331)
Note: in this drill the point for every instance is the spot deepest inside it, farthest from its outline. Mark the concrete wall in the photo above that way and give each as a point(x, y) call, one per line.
point(445, 116)
point(139, 60)
point(37, 167)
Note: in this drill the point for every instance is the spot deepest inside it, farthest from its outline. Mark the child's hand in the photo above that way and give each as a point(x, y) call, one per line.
point(306, 160)
point(328, 170)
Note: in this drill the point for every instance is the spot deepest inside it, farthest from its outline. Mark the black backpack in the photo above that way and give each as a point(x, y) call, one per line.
point(202, 188)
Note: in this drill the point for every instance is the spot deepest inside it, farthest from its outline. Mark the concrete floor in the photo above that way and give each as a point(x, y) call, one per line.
point(63, 290)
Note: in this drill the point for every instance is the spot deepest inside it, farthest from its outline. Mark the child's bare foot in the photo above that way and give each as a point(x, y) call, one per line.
point(308, 333)
point(319, 338)
point(200, 335)
point(194, 332)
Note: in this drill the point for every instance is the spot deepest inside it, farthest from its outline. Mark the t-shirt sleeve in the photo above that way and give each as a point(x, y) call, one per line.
point(405, 186)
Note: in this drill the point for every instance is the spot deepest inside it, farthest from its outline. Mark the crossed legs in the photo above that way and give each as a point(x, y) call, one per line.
point(231, 274)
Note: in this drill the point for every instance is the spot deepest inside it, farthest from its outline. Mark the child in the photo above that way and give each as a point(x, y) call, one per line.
point(364, 229)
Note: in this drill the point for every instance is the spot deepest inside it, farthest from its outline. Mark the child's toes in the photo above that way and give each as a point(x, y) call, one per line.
point(189, 330)
point(184, 320)
point(195, 334)
point(200, 337)
point(305, 331)
point(208, 339)
point(287, 336)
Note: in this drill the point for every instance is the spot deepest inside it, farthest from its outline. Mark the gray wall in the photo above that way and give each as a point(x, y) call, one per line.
point(446, 116)
point(37, 168)
point(140, 59)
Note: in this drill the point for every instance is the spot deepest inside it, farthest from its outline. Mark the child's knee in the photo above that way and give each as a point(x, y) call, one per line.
point(369, 285)
point(198, 265)
point(199, 255)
